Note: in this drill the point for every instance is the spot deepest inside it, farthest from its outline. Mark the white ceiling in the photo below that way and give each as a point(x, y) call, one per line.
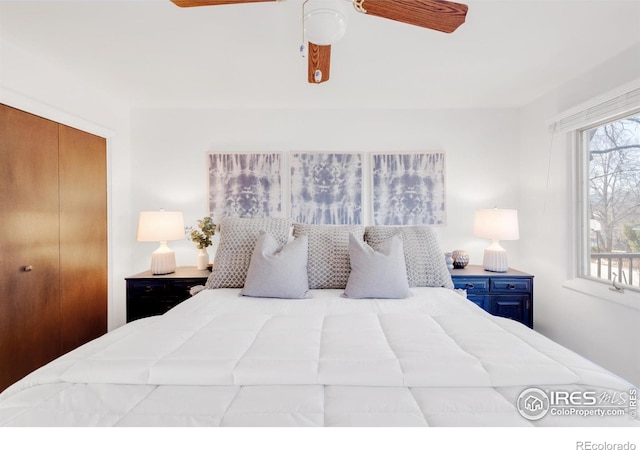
point(155, 54)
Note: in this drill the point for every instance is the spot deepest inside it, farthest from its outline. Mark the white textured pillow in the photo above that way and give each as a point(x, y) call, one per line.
point(426, 266)
point(328, 266)
point(377, 273)
point(278, 272)
point(238, 237)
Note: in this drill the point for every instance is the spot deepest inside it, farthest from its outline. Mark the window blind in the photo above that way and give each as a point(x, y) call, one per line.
point(602, 111)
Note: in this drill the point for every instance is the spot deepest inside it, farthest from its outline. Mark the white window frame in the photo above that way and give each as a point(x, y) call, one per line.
point(583, 199)
point(571, 125)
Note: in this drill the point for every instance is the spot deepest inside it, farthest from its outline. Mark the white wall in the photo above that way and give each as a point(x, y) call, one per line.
point(170, 147)
point(604, 331)
point(42, 88)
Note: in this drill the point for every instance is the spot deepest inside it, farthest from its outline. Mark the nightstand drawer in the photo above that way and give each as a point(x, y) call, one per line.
point(515, 307)
point(146, 289)
point(473, 285)
point(138, 308)
point(182, 288)
point(503, 285)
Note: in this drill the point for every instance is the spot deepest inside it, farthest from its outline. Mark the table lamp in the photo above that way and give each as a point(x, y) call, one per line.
point(496, 224)
point(161, 226)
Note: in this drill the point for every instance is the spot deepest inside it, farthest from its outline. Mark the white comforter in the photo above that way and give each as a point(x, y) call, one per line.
point(219, 359)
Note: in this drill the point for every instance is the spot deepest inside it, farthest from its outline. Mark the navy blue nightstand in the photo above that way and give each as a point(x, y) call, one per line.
point(506, 294)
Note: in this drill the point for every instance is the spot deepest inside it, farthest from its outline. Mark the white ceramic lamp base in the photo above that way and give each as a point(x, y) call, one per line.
point(163, 260)
point(495, 258)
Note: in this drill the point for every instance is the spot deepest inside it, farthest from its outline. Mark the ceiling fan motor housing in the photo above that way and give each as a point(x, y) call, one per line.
point(325, 21)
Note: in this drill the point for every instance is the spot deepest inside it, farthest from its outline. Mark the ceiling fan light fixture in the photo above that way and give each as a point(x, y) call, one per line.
point(325, 21)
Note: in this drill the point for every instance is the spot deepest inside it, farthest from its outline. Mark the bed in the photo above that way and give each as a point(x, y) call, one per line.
point(227, 358)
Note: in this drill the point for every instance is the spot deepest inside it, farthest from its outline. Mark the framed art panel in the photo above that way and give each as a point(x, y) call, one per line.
point(244, 185)
point(408, 189)
point(326, 188)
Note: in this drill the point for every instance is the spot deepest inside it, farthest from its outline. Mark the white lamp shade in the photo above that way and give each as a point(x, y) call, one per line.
point(497, 224)
point(325, 21)
point(160, 226)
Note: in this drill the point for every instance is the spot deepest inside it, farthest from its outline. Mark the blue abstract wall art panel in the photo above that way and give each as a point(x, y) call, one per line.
point(326, 188)
point(244, 185)
point(409, 189)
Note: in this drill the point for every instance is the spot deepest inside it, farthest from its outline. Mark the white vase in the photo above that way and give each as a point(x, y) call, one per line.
point(203, 259)
point(448, 259)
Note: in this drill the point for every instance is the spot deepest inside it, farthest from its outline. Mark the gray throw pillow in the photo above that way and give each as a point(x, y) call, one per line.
point(328, 265)
point(377, 273)
point(278, 272)
point(426, 266)
point(238, 238)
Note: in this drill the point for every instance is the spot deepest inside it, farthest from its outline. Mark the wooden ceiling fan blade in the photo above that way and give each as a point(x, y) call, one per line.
point(437, 15)
point(319, 63)
point(190, 3)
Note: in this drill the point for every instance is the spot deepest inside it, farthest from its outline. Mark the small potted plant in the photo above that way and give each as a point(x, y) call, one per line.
point(202, 237)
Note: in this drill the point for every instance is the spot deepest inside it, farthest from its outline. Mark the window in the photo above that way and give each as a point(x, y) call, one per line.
point(610, 165)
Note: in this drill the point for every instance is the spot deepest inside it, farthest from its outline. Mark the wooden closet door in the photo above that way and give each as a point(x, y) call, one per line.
point(29, 244)
point(83, 236)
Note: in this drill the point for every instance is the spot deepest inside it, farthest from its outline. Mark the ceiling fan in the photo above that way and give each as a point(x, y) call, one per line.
point(325, 22)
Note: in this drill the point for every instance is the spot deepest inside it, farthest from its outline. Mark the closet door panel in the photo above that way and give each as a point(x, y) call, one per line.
point(29, 244)
point(83, 236)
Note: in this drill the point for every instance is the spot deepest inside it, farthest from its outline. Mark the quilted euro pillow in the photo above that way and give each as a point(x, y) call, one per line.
point(377, 273)
point(425, 262)
point(238, 237)
point(328, 266)
point(278, 272)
